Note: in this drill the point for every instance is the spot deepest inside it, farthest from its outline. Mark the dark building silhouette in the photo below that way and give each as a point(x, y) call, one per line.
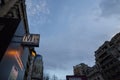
point(108, 58)
point(107, 65)
point(91, 73)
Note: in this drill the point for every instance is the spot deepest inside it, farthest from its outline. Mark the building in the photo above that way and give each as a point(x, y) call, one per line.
point(93, 73)
point(108, 58)
point(107, 66)
point(80, 69)
point(31, 58)
point(12, 10)
point(15, 58)
point(14, 55)
point(37, 68)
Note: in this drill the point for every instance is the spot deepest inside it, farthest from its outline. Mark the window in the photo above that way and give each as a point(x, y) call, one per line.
point(2, 2)
point(11, 14)
point(98, 78)
point(119, 58)
point(1, 26)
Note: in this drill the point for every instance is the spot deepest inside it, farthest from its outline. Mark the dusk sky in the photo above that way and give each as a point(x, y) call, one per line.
point(71, 30)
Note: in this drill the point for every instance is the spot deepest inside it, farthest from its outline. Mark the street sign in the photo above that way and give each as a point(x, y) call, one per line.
point(31, 40)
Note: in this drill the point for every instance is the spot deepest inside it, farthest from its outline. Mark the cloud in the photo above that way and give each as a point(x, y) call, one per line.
point(37, 12)
point(37, 7)
point(110, 8)
point(73, 34)
point(77, 43)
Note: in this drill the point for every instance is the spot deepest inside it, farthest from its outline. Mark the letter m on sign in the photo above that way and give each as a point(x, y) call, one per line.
point(31, 40)
point(27, 38)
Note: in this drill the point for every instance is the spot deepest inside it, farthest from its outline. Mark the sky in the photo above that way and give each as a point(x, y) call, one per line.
point(71, 30)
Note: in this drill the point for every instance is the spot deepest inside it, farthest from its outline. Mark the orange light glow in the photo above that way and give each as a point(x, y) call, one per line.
point(11, 52)
point(15, 53)
point(33, 54)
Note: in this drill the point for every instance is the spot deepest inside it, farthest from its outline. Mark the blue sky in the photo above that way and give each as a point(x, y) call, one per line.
point(71, 30)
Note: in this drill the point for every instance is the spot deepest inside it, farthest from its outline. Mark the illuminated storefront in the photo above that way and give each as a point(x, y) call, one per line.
point(16, 43)
point(14, 56)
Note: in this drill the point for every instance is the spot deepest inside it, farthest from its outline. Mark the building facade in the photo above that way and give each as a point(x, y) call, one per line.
point(12, 9)
point(108, 58)
point(93, 73)
point(107, 65)
point(14, 57)
point(80, 69)
point(37, 68)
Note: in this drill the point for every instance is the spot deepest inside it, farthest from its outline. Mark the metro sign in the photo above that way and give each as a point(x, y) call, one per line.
point(31, 40)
